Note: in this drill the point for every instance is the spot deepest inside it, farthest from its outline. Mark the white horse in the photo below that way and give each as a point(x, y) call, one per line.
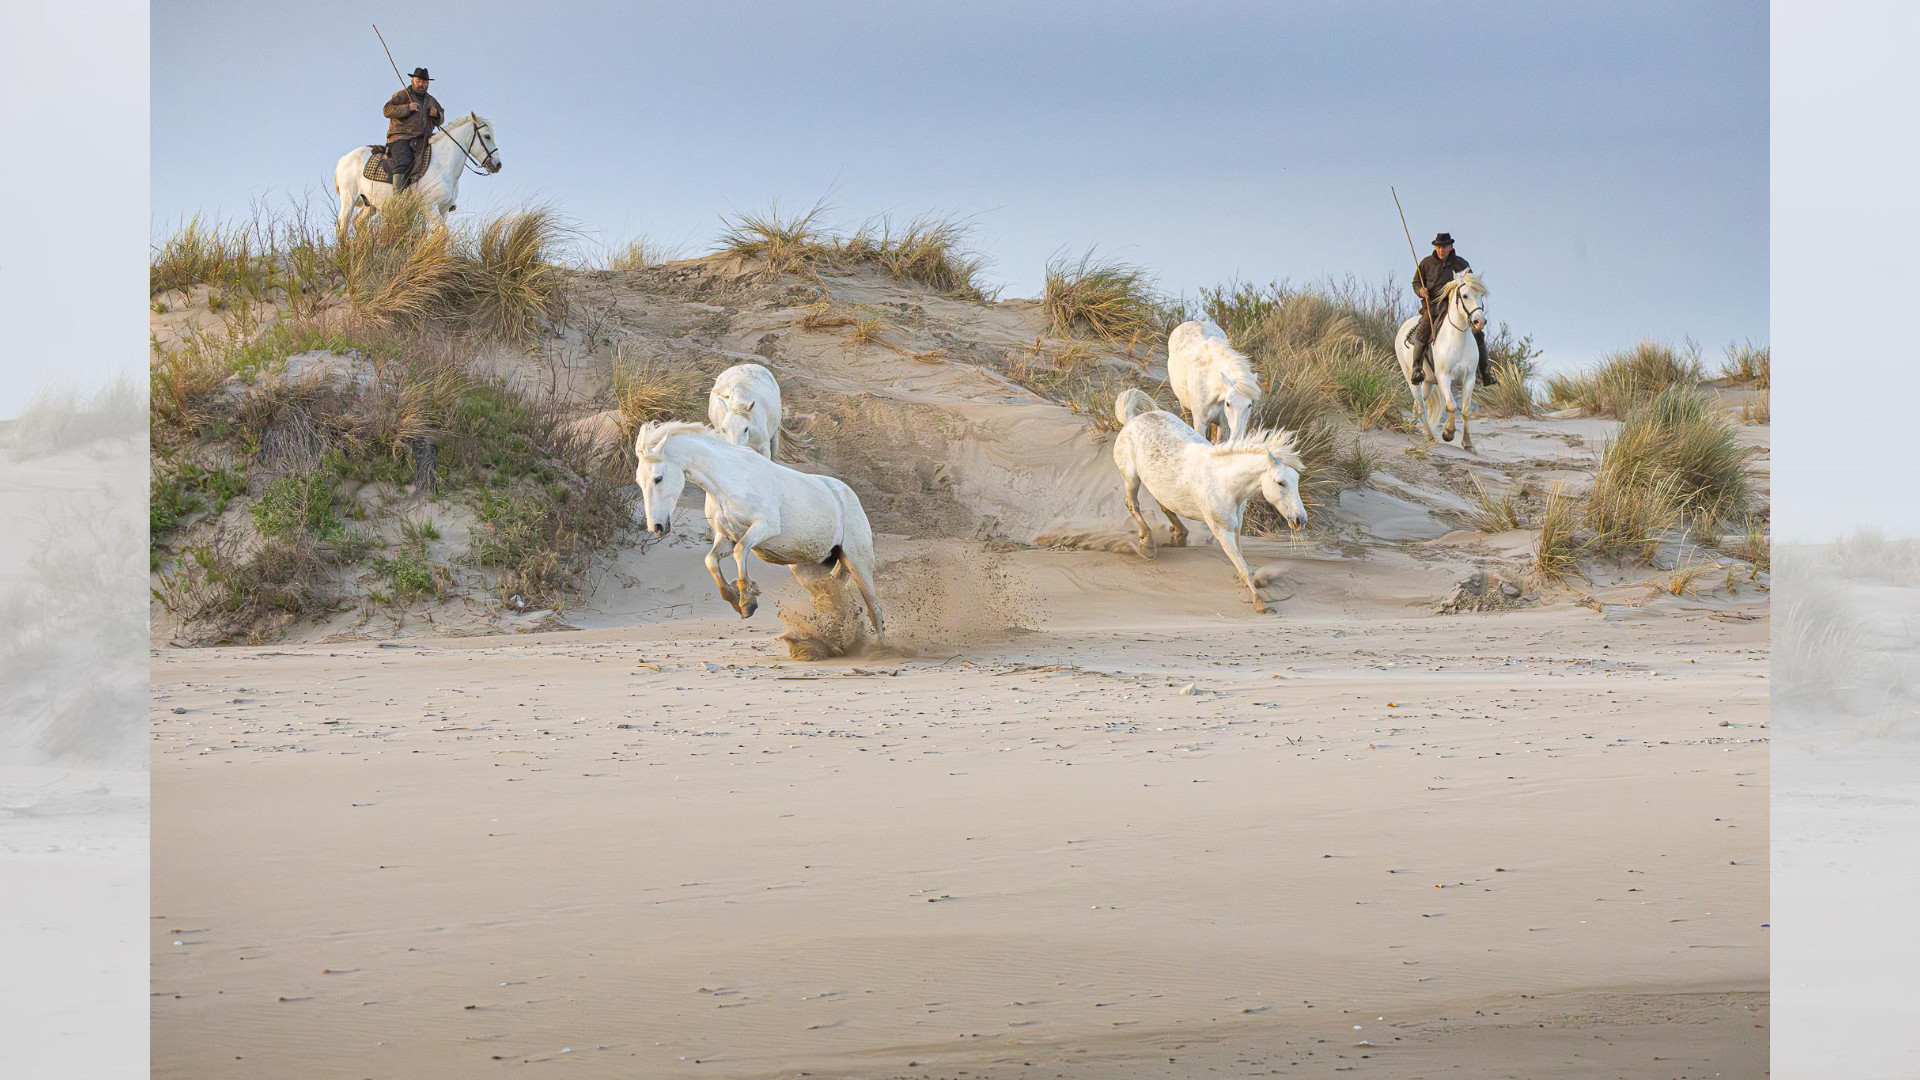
point(1456, 357)
point(469, 136)
point(1189, 476)
point(813, 525)
point(1213, 381)
point(744, 407)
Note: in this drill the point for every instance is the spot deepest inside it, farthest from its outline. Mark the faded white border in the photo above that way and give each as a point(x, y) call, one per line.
point(1846, 753)
point(73, 488)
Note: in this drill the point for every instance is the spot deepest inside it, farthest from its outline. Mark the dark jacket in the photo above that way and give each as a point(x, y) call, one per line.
point(416, 126)
point(1432, 275)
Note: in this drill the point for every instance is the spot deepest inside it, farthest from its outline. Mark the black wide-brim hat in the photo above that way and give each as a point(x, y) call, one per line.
point(421, 73)
point(1444, 239)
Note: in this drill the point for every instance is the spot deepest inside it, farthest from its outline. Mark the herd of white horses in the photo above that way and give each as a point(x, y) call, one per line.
point(1208, 468)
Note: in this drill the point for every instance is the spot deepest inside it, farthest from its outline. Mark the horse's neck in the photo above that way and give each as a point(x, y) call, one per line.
point(448, 145)
point(1240, 472)
point(706, 465)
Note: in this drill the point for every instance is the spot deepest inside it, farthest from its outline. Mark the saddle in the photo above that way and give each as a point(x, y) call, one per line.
point(377, 164)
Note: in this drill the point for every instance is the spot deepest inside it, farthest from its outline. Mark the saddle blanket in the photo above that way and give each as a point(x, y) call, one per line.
point(377, 164)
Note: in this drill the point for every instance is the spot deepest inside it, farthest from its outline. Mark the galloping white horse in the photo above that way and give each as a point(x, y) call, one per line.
point(1189, 476)
point(470, 135)
point(1456, 357)
point(744, 407)
point(1213, 381)
point(813, 525)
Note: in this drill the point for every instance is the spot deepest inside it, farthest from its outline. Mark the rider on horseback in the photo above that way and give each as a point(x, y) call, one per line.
point(411, 114)
point(1429, 281)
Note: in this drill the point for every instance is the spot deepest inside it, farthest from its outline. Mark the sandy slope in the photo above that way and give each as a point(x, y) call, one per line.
point(1530, 843)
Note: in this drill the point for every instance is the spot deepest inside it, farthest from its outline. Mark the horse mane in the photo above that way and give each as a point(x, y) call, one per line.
point(1465, 281)
point(647, 443)
point(1275, 441)
point(1234, 369)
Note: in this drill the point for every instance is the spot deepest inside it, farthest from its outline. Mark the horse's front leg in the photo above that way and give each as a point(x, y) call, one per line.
point(1466, 408)
point(1228, 533)
point(752, 538)
point(722, 547)
point(1132, 481)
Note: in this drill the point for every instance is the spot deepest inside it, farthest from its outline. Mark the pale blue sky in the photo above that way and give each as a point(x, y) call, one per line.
point(1605, 164)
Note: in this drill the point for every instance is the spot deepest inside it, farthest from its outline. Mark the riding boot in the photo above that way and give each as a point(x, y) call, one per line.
point(1421, 362)
point(400, 181)
point(1486, 376)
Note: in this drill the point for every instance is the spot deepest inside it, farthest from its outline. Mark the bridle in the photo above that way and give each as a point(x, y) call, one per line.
point(1459, 300)
point(478, 168)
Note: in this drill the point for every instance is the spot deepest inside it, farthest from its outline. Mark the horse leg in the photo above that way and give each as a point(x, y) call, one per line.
point(1419, 394)
point(1179, 537)
point(1446, 395)
point(1132, 481)
point(1466, 408)
point(755, 533)
point(860, 567)
point(1230, 543)
point(714, 555)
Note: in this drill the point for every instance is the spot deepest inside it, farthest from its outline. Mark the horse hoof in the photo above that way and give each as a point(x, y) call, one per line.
point(1447, 435)
point(749, 607)
point(1262, 609)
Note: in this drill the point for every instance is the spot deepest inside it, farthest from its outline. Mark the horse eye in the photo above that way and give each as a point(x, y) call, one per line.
point(657, 479)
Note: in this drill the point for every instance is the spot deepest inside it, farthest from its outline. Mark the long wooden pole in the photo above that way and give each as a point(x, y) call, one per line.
point(1411, 250)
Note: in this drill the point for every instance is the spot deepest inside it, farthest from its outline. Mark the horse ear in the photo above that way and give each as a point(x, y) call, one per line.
point(747, 409)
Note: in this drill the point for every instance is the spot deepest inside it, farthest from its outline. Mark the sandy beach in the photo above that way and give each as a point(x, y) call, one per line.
point(1122, 843)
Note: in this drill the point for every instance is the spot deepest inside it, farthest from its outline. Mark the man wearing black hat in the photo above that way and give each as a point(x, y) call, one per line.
point(411, 114)
point(1429, 278)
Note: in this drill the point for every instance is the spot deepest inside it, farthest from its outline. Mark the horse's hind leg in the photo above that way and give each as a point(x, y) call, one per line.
point(860, 568)
point(1466, 407)
point(1179, 537)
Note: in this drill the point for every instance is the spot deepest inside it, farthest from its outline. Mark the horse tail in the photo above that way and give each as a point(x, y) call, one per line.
point(1131, 403)
point(836, 561)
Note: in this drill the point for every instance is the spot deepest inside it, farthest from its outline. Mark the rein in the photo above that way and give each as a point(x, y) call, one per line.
point(476, 167)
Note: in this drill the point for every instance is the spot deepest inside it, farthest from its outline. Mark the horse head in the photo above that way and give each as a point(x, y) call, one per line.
point(735, 425)
point(1281, 486)
point(661, 479)
point(1468, 293)
point(481, 144)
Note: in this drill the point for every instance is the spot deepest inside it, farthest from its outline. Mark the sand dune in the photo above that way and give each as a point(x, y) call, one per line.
point(1086, 816)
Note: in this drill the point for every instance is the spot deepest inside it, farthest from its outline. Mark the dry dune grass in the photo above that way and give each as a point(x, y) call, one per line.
point(1748, 363)
point(649, 387)
point(638, 253)
point(928, 250)
point(1625, 379)
point(1677, 461)
point(1108, 299)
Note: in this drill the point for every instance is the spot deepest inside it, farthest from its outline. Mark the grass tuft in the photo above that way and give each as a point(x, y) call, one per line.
point(1748, 363)
point(1626, 379)
point(1106, 298)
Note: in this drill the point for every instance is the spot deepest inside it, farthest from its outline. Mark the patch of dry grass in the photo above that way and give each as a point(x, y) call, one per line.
point(929, 250)
point(1497, 513)
point(1748, 363)
point(648, 387)
point(514, 286)
point(1106, 298)
point(638, 253)
point(1680, 438)
point(1626, 379)
point(783, 244)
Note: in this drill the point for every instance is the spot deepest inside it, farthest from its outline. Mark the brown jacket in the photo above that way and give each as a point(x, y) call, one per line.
point(1432, 275)
point(417, 125)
